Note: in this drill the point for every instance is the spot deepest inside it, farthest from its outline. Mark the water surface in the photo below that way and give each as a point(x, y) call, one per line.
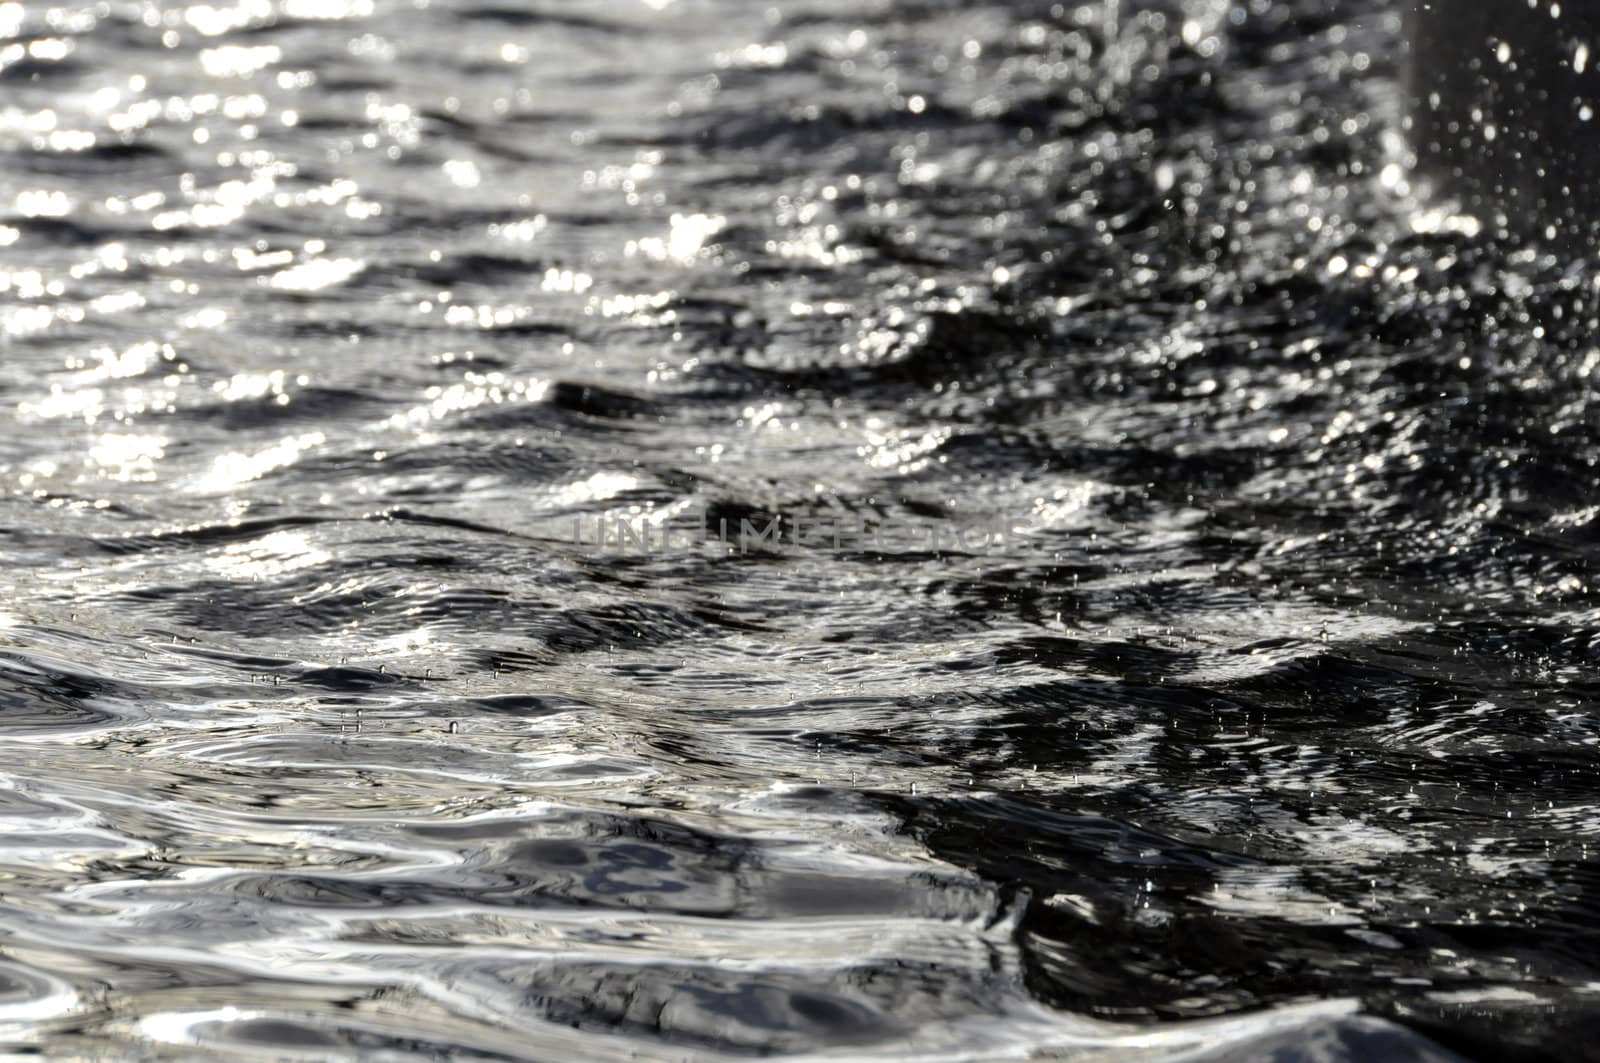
point(1267, 726)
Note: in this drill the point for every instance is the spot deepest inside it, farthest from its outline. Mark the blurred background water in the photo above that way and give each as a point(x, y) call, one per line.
point(1268, 725)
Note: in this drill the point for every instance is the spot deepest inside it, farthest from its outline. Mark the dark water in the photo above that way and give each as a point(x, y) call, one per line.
point(1268, 726)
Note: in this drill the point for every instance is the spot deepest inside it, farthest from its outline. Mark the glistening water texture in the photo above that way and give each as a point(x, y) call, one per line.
point(1268, 726)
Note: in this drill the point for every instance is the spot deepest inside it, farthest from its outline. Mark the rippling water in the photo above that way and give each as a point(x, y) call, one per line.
point(1268, 724)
